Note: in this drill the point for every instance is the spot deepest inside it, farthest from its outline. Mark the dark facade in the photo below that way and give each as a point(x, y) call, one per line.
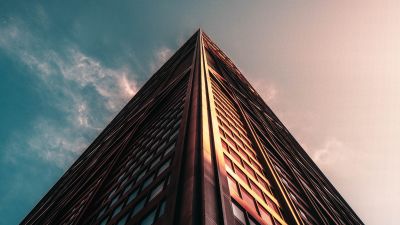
point(196, 145)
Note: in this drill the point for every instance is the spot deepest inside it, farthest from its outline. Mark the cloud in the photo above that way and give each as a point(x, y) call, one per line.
point(59, 145)
point(335, 157)
point(267, 89)
point(331, 151)
point(161, 56)
point(113, 85)
point(86, 93)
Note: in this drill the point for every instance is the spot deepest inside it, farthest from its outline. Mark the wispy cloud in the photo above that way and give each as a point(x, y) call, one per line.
point(161, 56)
point(331, 151)
point(59, 145)
point(86, 92)
point(268, 91)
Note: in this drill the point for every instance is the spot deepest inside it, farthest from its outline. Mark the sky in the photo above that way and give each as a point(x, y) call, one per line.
point(330, 70)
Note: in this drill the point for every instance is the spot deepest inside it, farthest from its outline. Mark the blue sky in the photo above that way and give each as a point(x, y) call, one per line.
point(329, 71)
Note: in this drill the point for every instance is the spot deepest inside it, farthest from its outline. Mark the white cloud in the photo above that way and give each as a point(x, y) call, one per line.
point(86, 92)
point(330, 152)
point(161, 56)
point(266, 89)
point(114, 85)
point(59, 145)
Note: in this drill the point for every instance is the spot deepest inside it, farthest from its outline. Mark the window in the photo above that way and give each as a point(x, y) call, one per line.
point(263, 183)
point(164, 167)
point(156, 190)
point(148, 181)
point(241, 174)
point(228, 163)
point(248, 199)
point(104, 221)
point(162, 209)
point(139, 207)
point(101, 212)
point(149, 219)
point(266, 216)
point(161, 147)
point(253, 221)
point(231, 141)
point(113, 192)
point(155, 162)
point(174, 135)
point(239, 214)
point(170, 148)
point(236, 156)
point(117, 210)
point(221, 132)
point(136, 171)
point(132, 196)
point(249, 170)
point(176, 124)
point(141, 175)
point(243, 154)
point(256, 189)
point(256, 165)
point(224, 145)
point(123, 220)
point(272, 205)
point(232, 185)
point(149, 157)
point(115, 199)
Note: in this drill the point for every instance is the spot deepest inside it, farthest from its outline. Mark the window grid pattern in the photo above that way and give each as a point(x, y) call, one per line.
point(323, 195)
point(284, 164)
point(292, 170)
point(250, 189)
point(143, 174)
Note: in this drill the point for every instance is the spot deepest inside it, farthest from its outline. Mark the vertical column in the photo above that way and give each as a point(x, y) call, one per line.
point(182, 206)
point(216, 190)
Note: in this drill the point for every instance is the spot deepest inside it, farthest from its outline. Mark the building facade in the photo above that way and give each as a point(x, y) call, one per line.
point(196, 145)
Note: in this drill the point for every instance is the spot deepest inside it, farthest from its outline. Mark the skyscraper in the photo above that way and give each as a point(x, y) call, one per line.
point(196, 145)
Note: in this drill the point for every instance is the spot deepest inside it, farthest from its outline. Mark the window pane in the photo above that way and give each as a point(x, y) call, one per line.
point(170, 148)
point(236, 156)
point(104, 222)
point(224, 145)
point(149, 219)
point(117, 210)
point(244, 155)
point(132, 196)
point(241, 175)
point(231, 141)
point(128, 188)
point(154, 163)
point(252, 221)
point(263, 183)
point(232, 185)
point(265, 216)
point(162, 209)
point(156, 191)
point(256, 190)
point(228, 163)
point(115, 199)
point(249, 170)
point(272, 205)
point(141, 175)
point(239, 214)
point(248, 199)
point(148, 181)
point(164, 167)
point(101, 212)
point(123, 220)
point(138, 207)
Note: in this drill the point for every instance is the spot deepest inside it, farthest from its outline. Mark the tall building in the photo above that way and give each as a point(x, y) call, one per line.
point(196, 145)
